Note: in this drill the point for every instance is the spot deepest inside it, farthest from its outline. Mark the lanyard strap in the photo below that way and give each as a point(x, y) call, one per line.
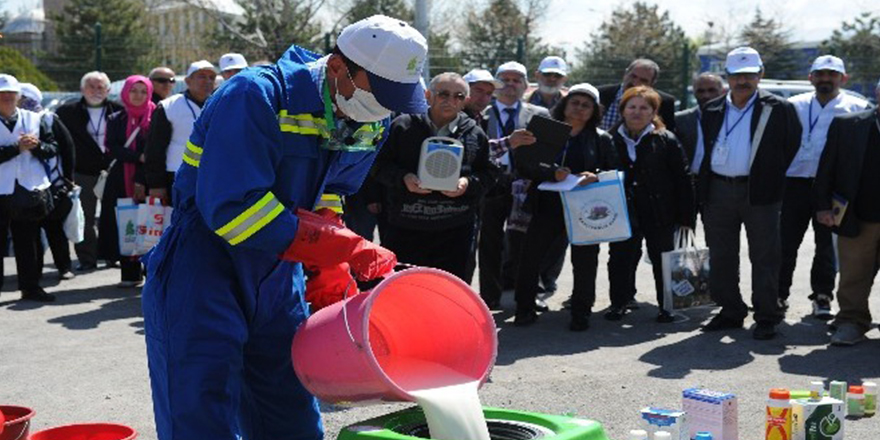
point(186, 101)
point(741, 116)
point(810, 118)
point(100, 121)
point(329, 117)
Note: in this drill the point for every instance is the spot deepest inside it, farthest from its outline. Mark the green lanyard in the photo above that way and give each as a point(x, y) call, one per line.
point(345, 138)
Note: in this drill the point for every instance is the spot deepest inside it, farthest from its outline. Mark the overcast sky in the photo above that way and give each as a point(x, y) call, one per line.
point(570, 22)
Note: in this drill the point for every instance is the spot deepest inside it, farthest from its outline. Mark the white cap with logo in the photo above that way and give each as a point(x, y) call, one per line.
point(232, 61)
point(200, 65)
point(9, 83)
point(31, 91)
point(743, 60)
point(553, 64)
point(511, 66)
point(482, 75)
point(585, 88)
point(393, 54)
point(828, 62)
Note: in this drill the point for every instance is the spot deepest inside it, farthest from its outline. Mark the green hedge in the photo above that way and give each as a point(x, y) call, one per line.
point(13, 63)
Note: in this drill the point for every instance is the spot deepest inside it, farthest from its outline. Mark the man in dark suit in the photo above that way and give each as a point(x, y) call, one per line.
point(86, 120)
point(751, 137)
point(847, 197)
point(641, 72)
point(707, 86)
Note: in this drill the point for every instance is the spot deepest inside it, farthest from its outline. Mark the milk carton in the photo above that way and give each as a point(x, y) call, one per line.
point(817, 419)
point(711, 411)
point(671, 421)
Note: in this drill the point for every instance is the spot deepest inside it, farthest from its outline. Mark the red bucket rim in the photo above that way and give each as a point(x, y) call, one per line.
point(131, 434)
point(30, 413)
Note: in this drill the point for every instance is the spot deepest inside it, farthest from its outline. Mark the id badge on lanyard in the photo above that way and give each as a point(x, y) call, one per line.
point(720, 153)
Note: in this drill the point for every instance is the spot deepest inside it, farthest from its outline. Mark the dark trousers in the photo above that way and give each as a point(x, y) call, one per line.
point(445, 249)
point(624, 259)
point(726, 211)
point(491, 250)
point(28, 253)
point(87, 250)
point(545, 231)
point(58, 244)
point(4, 235)
point(550, 267)
point(797, 212)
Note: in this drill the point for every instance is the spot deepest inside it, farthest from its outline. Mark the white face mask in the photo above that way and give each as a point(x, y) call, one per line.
point(548, 90)
point(362, 106)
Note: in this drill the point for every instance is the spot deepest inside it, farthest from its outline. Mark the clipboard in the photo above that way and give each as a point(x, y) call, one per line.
point(551, 136)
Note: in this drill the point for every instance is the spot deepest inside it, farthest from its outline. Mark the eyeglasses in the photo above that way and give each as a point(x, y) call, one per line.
point(444, 95)
point(164, 80)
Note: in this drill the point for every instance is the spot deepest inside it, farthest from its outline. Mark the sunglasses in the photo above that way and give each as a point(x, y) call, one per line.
point(164, 80)
point(444, 95)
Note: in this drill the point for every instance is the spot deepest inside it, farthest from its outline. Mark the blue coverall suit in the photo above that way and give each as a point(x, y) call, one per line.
point(220, 307)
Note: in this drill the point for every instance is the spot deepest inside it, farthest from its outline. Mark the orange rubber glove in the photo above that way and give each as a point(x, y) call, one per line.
point(322, 242)
point(329, 285)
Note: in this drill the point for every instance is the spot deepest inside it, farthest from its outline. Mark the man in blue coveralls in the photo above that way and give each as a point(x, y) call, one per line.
point(224, 292)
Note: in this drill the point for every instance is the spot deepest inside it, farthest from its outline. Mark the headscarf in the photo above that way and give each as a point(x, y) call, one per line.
point(136, 116)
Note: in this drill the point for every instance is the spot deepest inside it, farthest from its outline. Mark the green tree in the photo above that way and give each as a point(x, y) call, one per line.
point(858, 44)
point(22, 69)
point(638, 31)
point(268, 28)
point(125, 40)
point(495, 34)
point(360, 9)
point(770, 38)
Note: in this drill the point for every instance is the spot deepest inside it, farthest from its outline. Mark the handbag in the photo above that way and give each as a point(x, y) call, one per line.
point(597, 213)
point(102, 178)
point(60, 191)
point(30, 205)
point(685, 274)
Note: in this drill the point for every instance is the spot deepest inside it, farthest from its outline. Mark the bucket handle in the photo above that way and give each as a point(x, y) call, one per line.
point(345, 305)
point(27, 425)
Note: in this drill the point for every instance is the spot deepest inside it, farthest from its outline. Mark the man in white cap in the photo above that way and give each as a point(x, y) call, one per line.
point(506, 118)
point(550, 75)
point(232, 63)
point(224, 292)
point(750, 139)
point(482, 87)
point(170, 127)
point(815, 110)
point(847, 199)
point(26, 143)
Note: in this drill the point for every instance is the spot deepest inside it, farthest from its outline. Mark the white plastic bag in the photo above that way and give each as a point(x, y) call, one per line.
point(152, 218)
point(597, 213)
point(75, 222)
point(685, 274)
point(126, 226)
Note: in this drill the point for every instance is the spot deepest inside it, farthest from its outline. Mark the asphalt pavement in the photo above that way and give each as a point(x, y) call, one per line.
point(83, 358)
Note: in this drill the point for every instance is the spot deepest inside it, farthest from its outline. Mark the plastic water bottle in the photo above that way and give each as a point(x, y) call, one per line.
point(703, 435)
point(870, 398)
point(638, 434)
point(855, 401)
point(662, 435)
point(778, 415)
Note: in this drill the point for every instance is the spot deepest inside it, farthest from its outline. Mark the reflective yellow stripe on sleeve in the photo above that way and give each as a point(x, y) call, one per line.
point(331, 201)
point(251, 220)
point(192, 154)
point(305, 124)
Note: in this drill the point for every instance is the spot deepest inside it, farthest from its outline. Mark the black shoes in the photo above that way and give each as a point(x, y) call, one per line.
point(579, 324)
point(764, 331)
point(632, 305)
point(493, 304)
point(525, 319)
point(665, 317)
point(86, 267)
point(615, 313)
point(720, 322)
point(37, 294)
point(541, 306)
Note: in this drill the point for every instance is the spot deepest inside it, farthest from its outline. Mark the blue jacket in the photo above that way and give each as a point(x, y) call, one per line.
point(255, 155)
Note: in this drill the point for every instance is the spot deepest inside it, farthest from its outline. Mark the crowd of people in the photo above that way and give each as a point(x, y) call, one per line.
point(741, 157)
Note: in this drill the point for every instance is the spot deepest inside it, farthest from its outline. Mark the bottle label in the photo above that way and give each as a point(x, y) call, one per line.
point(778, 424)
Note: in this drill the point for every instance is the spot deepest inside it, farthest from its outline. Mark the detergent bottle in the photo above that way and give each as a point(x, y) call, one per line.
point(778, 415)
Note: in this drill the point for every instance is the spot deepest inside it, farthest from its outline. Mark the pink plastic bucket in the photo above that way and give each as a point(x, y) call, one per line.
point(87, 431)
point(18, 422)
point(419, 326)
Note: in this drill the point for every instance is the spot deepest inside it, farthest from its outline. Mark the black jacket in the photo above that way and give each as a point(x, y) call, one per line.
point(660, 178)
point(775, 152)
point(686, 130)
point(608, 92)
point(591, 150)
point(116, 139)
point(840, 168)
point(400, 156)
point(90, 160)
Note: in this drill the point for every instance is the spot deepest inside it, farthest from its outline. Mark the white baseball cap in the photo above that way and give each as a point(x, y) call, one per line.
point(553, 64)
point(585, 88)
point(828, 62)
point(31, 91)
point(200, 65)
point(743, 60)
point(511, 66)
point(232, 61)
point(393, 54)
point(9, 83)
point(482, 75)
